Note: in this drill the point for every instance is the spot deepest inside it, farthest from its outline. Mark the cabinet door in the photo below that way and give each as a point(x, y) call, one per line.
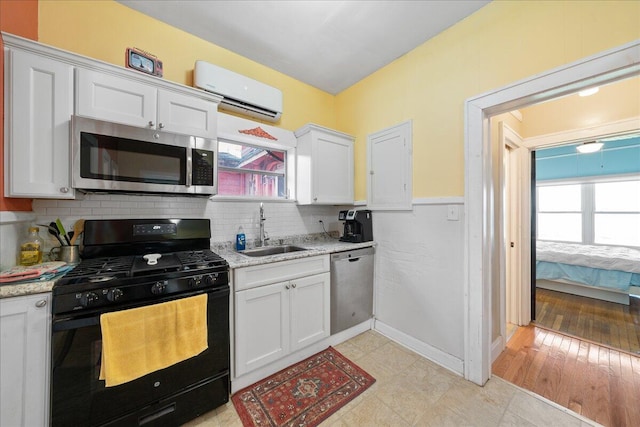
point(39, 95)
point(115, 99)
point(390, 164)
point(186, 115)
point(332, 164)
point(262, 326)
point(310, 314)
point(25, 330)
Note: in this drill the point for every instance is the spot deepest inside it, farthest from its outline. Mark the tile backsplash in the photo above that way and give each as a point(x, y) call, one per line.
point(283, 219)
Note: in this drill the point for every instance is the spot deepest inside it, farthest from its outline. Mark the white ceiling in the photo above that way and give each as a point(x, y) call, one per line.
point(328, 44)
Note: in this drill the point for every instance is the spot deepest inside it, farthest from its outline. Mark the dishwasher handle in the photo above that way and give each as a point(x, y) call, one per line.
point(352, 255)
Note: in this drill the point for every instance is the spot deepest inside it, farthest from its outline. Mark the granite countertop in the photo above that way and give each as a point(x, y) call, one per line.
point(314, 247)
point(8, 290)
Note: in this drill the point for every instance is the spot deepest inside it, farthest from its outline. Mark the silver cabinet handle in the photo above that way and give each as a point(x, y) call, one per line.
point(41, 303)
point(293, 285)
point(161, 125)
point(64, 189)
point(315, 199)
point(286, 287)
point(151, 124)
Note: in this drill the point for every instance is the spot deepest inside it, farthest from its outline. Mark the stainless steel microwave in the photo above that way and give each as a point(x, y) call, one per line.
point(110, 157)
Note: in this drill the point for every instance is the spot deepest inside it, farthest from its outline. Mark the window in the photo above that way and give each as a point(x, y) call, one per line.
point(617, 213)
point(559, 213)
point(249, 171)
point(606, 213)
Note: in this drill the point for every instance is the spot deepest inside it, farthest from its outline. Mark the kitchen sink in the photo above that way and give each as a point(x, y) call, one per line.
point(272, 250)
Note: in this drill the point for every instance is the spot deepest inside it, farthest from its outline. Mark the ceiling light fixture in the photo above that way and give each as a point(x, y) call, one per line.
point(589, 147)
point(589, 92)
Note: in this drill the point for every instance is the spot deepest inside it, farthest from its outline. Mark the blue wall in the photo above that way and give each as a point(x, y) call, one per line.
point(615, 158)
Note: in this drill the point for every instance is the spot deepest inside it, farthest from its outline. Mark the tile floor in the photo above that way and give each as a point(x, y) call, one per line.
point(413, 391)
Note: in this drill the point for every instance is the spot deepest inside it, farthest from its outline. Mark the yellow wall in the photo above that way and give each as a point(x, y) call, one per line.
point(501, 43)
point(613, 102)
point(104, 29)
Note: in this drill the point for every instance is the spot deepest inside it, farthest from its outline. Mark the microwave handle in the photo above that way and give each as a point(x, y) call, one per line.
point(189, 167)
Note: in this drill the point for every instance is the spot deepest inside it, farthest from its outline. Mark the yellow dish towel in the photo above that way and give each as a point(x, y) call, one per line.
point(142, 340)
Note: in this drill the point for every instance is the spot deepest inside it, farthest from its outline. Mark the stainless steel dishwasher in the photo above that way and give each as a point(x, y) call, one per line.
point(351, 288)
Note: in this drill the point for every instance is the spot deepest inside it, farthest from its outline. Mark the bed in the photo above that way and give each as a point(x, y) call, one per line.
point(609, 273)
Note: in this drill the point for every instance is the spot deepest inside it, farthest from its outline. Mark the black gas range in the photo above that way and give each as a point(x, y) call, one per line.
point(129, 264)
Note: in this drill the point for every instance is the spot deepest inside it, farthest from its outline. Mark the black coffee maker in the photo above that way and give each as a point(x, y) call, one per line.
point(357, 226)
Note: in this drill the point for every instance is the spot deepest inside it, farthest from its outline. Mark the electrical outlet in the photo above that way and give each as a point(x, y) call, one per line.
point(453, 213)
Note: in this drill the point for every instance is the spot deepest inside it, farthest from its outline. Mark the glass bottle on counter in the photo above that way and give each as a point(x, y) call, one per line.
point(30, 252)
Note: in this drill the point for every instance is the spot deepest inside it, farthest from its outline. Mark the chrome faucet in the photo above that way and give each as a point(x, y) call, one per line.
point(263, 234)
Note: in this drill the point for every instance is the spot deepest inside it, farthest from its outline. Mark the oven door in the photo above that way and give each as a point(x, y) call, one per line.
point(79, 398)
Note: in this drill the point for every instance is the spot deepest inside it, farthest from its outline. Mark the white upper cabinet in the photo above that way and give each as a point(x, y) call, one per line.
point(39, 104)
point(40, 98)
point(114, 99)
point(325, 166)
point(118, 99)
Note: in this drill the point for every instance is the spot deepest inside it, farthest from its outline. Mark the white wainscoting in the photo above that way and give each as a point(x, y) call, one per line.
point(419, 299)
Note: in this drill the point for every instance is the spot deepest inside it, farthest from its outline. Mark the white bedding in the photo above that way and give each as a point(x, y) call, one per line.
point(604, 257)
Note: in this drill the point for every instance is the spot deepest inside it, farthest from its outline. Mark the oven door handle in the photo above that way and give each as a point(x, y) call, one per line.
point(69, 324)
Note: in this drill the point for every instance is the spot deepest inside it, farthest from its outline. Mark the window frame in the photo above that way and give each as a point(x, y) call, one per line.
point(289, 174)
point(588, 203)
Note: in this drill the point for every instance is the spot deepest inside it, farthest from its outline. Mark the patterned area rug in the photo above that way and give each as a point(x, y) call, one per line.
point(304, 394)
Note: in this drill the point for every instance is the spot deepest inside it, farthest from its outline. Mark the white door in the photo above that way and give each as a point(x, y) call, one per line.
point(262, 326)
point(512, 241)
point(514, 190)
point(310, 315)
point(389, 161)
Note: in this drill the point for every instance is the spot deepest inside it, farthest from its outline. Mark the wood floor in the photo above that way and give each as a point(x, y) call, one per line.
point(595, 381)
point(615, 325)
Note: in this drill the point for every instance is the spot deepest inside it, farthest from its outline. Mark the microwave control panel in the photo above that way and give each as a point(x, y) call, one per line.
point(203, 167)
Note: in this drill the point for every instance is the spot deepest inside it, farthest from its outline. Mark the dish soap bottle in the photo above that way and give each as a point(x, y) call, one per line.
point(31, 248)
point(240, 240)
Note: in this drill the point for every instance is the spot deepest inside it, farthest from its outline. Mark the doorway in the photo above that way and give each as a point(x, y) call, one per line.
point(482, 270)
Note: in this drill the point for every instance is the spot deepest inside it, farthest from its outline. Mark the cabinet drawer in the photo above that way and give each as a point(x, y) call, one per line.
point(258, 275)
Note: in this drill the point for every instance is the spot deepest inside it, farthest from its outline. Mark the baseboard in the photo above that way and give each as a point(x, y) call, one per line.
point(443, 359)
point(496, 348)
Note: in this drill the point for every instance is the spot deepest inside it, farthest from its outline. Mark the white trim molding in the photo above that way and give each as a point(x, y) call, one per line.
point(619, 127)
point(605, 67)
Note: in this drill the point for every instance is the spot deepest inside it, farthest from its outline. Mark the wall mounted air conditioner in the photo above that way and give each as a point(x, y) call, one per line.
point(241, 94)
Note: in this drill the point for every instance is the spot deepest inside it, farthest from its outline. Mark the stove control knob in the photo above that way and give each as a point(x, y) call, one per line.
point(210, 279)
point(196, 281)
point(159, 288)
point(114, 294)
point(89, 299)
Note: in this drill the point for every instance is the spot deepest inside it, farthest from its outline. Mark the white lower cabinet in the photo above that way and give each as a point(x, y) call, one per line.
point(25, 331)
point(274, 320)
